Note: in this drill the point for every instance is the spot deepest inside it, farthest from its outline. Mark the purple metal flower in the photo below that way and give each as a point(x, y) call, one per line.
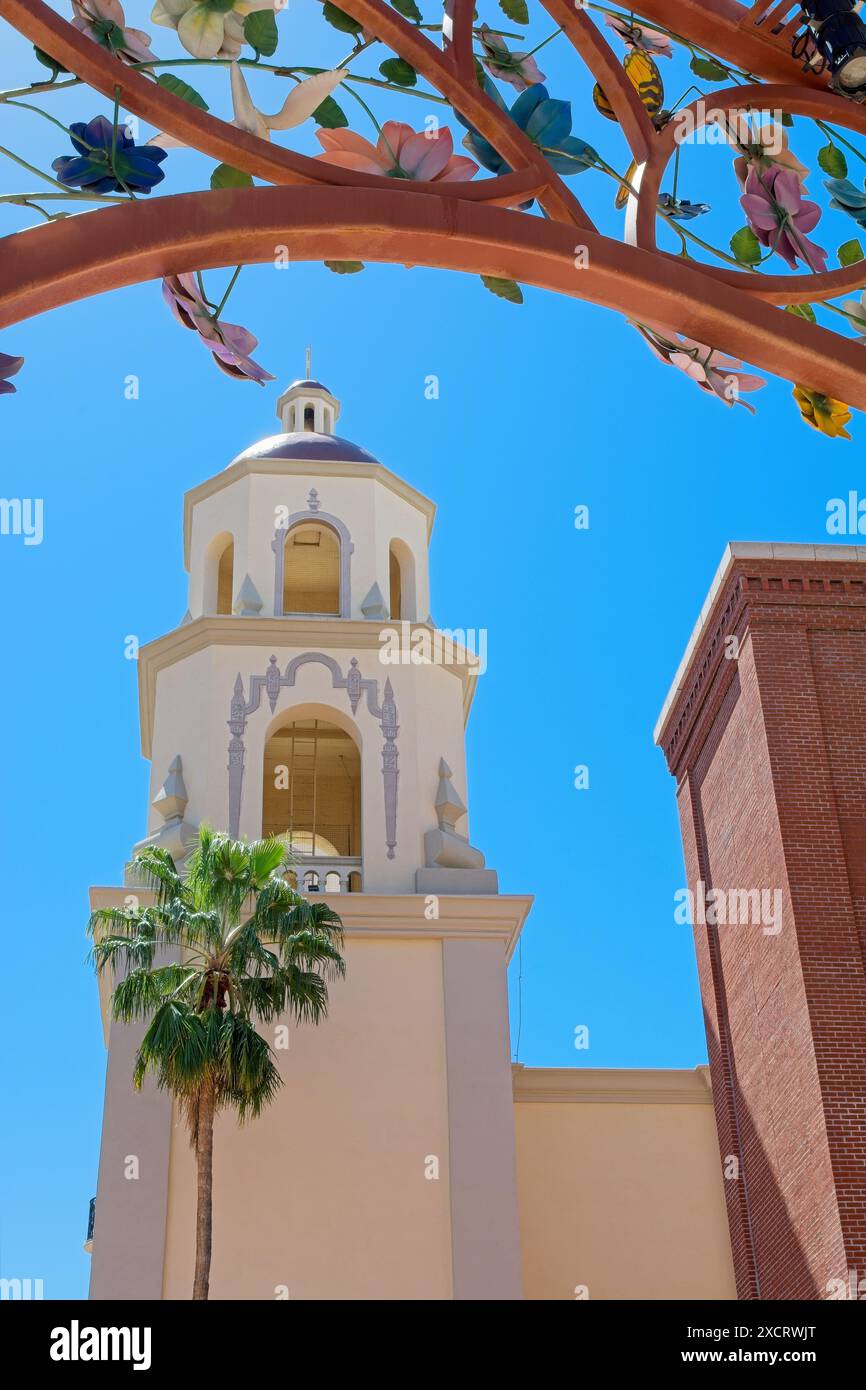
point(229, 343)
point(107, 162)
point(518, 69)
point(780, 217)
point(708, 368)
point(8, 367)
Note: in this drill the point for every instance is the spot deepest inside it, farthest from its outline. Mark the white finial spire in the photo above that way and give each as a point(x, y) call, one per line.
point(309, 364)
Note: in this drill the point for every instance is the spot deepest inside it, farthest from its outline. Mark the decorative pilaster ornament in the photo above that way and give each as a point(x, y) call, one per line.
point(237, 721)
point(353, 684)
point(247, 603)
point(313, 502)
point(171, 800)
point(445, 849)
point(390, 767)
point(449, 805)
point(187, 618)
point(272, 682)
point(237, 724)
point(373, 606)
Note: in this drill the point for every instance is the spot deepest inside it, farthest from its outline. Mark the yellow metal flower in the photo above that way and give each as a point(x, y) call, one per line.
point(823, 413)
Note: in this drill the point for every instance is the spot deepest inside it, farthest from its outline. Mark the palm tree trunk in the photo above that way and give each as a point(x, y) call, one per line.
point(204, 1193)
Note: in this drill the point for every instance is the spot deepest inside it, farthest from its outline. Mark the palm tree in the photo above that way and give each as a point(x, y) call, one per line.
point(247, 946)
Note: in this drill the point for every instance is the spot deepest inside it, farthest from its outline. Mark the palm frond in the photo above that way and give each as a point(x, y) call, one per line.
point(141, 992)
point(156, 870)
point(252, 949)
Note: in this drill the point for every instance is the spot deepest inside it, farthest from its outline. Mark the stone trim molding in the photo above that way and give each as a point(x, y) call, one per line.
point(278, 545)
point(356, 687)
point(611, 1086)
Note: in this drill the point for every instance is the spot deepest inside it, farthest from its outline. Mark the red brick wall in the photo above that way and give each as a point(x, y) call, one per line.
point(769, 751)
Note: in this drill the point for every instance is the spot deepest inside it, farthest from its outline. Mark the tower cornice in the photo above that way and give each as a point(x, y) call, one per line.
point(307, 634)
point(755, 583)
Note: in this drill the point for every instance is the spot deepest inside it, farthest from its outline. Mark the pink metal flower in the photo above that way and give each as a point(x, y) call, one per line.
point(780, 218)
point(710, 369)
point(105, 22)
point(639, 36)
point(229, 343)
point(518, 69)
point(401, 153)
point(762, 148)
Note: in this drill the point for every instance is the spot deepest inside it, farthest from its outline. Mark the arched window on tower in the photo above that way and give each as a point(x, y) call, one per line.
point(309, 417)
point(311, 570)
point(401, 573)
point(225, 579)
point(312, 798)
point(396, 587)
point(219, 574)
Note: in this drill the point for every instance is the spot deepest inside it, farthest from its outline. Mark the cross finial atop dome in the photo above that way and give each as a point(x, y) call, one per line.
point(308, 405)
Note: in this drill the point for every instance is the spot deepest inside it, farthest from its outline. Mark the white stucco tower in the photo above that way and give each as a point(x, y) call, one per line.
point(306, 693)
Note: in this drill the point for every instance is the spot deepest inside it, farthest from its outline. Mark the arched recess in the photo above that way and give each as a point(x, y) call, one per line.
point(311, 795)
point(311, 569)
point(401, 578)
point(299, 562)
point(358, 689)
point(219, 574)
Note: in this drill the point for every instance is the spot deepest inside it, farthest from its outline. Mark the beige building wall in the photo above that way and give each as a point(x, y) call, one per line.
point(619, 1185)
point(325, 1194)
point(385, 1167)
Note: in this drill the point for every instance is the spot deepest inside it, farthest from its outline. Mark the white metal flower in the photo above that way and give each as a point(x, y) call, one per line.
point(205, 29)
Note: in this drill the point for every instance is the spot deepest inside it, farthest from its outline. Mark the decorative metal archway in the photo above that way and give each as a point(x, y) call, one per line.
point(320, 210)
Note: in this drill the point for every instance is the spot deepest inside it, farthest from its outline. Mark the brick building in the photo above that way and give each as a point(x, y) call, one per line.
point(765, 732)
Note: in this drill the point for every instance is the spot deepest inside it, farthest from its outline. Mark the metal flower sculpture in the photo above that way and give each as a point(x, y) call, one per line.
point(757, 79)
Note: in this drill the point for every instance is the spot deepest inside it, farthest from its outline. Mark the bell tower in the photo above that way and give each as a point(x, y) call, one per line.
point(307, 694)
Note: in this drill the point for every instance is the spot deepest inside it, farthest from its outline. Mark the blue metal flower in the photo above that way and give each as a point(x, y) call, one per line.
point(547, 123)
point(680, 209)
point(847, 197)
point(131, 167)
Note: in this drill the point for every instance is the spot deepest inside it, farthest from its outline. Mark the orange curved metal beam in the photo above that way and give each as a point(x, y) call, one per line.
point(100, 70)
point(55, 264)
point(452, 75)
point(728, 29)
point(457, 36)
point(608, 71)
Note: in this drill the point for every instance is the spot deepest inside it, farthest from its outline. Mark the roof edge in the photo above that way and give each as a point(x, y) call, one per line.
point(747, 550)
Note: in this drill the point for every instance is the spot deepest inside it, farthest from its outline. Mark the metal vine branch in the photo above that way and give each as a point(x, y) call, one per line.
point(757, 80)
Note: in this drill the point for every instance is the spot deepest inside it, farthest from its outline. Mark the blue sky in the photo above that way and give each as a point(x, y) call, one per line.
point(541, 408)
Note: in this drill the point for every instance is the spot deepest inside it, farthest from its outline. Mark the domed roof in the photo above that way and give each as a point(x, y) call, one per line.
point(308, 385)
point(307, 445)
